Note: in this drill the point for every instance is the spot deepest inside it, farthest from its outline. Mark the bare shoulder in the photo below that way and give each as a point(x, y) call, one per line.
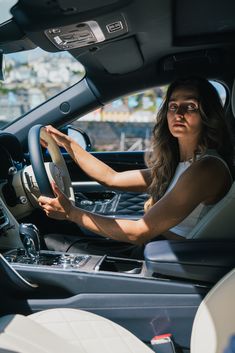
point(211, 175)
point(211, 166)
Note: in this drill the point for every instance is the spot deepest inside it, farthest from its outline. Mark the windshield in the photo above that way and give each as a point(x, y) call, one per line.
point(31, 78)
point(5, 6)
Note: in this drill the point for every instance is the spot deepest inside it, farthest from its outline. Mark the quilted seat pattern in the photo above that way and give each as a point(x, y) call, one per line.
point(131, 203)
point(123, 203)
point(19, 334)
point(90, 332)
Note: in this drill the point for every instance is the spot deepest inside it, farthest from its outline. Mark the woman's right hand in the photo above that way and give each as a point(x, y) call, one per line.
point(60, 138)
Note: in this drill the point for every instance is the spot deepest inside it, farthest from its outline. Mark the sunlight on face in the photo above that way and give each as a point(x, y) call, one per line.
point(183, 116)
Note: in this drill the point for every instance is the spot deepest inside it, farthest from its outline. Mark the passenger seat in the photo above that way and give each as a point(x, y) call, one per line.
point(72, 330)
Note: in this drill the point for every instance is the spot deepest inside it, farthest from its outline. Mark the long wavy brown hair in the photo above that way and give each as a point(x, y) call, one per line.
point(164, 156)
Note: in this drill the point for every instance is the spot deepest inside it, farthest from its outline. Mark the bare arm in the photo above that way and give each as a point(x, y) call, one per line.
point(134, 180)
point(196, 185)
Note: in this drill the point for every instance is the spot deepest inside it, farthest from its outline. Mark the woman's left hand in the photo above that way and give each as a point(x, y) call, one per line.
point(59, 207)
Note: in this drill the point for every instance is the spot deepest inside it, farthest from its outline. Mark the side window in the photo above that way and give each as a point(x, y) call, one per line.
point(32, 77)
point(126, 124)
point(221, 90)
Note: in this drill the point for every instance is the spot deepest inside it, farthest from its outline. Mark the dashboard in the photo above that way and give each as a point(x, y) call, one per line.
point(14, 200)
point(13, 192)
point(11, 155)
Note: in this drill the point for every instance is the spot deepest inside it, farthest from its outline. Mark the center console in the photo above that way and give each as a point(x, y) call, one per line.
point(47, 259)
point(157, 295)
point(58, 261)
point(30, 256)
point(168, 285)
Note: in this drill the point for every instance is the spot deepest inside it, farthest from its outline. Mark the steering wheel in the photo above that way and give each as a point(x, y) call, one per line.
point(46, 172)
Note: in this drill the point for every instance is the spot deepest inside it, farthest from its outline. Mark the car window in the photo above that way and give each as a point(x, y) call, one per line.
point(5, 9)
point(126, 123)
point(31, 78)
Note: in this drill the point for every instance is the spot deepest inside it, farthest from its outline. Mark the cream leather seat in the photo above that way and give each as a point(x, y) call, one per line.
point(219, 222)
point(214, 322)
point(71, 330)
point(66, 331)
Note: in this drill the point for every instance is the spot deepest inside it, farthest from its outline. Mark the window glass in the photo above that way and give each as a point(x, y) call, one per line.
point(31, 78)
point(5, 6)
point(220, 89)
point(126, 124)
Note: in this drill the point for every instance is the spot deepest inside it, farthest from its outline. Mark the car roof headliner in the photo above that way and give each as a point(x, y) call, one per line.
point(164, 39)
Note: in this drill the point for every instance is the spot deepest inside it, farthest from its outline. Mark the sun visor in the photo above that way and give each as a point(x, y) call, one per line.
point(194, 63)
point(12, 39)
point(120, 57)
point(192, 25)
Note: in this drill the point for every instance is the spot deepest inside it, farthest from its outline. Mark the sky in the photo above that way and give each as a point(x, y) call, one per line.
point(5, 6)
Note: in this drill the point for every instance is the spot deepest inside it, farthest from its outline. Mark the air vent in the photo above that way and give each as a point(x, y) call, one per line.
point(3, 219)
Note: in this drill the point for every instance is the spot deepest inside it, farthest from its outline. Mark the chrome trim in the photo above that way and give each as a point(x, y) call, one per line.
point(97, 266)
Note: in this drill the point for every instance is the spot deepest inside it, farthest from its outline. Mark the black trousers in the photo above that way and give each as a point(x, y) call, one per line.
point(93, 245)
point(67, 236)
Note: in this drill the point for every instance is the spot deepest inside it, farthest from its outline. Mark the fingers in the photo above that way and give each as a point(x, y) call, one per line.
point(56, 190)
point(49, 211)
point(60, 138)
point(52, 207)
point(43, 143)
point(49, 128)
point(48, 205)
point(43, 201)
point(53, 131)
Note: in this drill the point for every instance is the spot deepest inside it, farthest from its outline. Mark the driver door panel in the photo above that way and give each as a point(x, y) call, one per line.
point(97, 198)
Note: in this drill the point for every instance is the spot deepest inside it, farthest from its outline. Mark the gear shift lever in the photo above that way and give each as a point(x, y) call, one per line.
point(29, 236)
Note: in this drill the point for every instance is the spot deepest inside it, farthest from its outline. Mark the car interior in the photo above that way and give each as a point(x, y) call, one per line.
point(53, 301)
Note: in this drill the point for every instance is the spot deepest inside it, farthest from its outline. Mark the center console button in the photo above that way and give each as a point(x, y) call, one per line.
point(66, 259)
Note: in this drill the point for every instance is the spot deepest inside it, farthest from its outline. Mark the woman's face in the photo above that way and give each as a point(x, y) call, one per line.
point(183, 116)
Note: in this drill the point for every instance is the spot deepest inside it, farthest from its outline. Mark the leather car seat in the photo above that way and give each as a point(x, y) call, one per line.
point(66, 331)
point(71, 330)
point(219, 221)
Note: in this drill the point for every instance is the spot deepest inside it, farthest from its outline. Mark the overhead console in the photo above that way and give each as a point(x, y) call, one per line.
point(99, 28)
point(65, 24)
point(86, 33)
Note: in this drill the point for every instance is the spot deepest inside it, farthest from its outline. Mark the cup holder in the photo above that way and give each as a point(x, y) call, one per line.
point(112, 264)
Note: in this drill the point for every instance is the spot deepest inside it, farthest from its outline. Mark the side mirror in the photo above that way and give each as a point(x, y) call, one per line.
point(79, 136)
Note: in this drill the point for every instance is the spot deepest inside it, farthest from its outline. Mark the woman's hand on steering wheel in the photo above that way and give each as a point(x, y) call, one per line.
point(59, 207)
point(59, 137)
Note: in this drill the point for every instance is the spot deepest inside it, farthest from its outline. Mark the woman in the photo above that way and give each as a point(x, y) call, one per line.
point(191, 145)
